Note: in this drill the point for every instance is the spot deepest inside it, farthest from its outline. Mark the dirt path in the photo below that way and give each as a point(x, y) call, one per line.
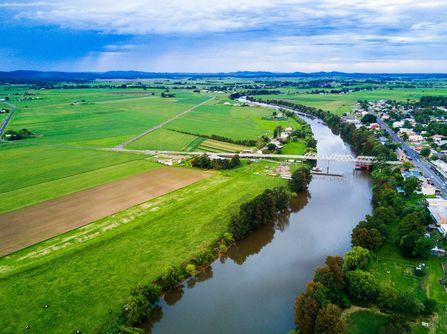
point(30, 225)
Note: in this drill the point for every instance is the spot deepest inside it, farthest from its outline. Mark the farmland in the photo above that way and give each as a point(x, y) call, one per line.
point(140, 243)
point(341, 103)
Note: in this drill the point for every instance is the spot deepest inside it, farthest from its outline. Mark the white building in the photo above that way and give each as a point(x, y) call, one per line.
point(438, 211)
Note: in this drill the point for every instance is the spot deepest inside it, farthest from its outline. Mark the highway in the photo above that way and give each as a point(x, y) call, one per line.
point(419, 162)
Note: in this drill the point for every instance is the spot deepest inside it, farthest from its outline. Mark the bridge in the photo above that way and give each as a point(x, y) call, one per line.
point(362, 160)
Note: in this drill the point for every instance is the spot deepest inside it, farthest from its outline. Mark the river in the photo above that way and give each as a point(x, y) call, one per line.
point(253, 289)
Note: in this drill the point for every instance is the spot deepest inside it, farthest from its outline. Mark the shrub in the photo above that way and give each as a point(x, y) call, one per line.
point(228, 238)
point(170, 277)
point(407, 304)
point(191, 270)
point(223, 248)
point(140, 302)
point(204, 256)
point(429, 306)
point(396, 325)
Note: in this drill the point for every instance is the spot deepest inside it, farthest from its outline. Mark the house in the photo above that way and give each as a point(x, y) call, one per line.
point(414, 138)
point(401, 156)
point(437, 139)
point(398, 124)
point(438, 211)
point(374, 126)
point(428, 189)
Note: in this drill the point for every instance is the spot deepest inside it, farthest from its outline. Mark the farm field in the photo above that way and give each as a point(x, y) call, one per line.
point(28, 226)
point(341, 103)
point(69, 272)
point(163, 139)
point(237, 123)
point(106, 118)
point(50, 171)
point(210, 145)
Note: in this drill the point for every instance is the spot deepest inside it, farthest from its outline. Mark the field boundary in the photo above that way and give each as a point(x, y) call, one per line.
point(127, 142)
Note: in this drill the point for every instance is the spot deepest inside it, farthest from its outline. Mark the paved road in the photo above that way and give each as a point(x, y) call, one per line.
point(417, 160)
point(127, 142)
point(7, 120)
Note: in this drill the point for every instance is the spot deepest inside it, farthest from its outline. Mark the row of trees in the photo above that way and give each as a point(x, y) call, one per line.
point(244, 142)
point(362, 140)
point(18, 135)
point(204, 162)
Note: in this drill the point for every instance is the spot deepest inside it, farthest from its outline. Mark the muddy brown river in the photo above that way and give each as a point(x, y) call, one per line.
point(253, 289)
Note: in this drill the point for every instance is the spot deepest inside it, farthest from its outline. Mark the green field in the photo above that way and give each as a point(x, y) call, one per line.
point(341, 103)
point(84, 274)
point(32, 174)
point(163, 139)
point(106, 118)
point(237, 123)
point(365, 322)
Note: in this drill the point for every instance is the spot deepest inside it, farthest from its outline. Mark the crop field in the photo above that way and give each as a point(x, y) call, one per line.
point(85, 273)
point(237, 123)
point(210, 145)
point(47, 172)
point(163, 139)
point(106, 118)
point(25, 227)
point(341, 103)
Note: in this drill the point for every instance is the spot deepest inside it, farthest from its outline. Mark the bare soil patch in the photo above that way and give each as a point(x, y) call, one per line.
point(30, 225)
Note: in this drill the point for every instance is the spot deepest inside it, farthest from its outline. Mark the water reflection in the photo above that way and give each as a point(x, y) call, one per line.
point(253, 289)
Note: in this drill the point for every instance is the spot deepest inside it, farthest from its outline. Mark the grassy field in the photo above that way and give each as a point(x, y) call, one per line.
point(237, 123)
point(85, 273)
point(163, 139)
point(106, 118)
point(365, 322)
point(48, 172)
point(341, 103)
point(210, 145)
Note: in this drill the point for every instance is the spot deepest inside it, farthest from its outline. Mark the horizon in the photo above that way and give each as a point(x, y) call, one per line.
point(198, 36)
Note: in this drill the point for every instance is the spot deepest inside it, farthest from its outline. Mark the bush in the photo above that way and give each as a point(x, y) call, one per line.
point(191, 270)
point(223, 248)
point(429, 306)
point(407, 304)
point(228, 238)
point(204, 256)
point(170, 277)
point(140, 302)
point(396, 325)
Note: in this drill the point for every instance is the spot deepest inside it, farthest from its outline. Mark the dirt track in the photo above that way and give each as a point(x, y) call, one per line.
point(30, 225)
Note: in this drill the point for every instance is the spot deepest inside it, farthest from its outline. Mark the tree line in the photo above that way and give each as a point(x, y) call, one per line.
point(243, 142)
point(204, 162)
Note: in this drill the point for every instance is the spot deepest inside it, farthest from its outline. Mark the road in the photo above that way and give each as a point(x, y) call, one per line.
point(127, 142)
point(8, 119)
point(419, 162)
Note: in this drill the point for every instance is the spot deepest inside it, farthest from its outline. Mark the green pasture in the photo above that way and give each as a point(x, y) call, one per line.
point(106, 118)
point(237, 123)
point(32, 174)
point(85, 273)
point(163, 139)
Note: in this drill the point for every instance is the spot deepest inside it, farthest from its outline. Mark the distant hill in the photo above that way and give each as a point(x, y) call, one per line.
point(23, 75)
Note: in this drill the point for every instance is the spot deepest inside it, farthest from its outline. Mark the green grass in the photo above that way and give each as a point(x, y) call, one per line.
point(85, 273)
point(163, 139)
point(107, 118)
point(365, 322)
point(294, 147)
point(32, 174)
point(229, 121)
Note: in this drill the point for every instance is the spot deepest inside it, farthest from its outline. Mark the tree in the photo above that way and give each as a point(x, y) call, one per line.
point(369, 238)
point(235, 161)
point(170, 277)
point(329, 320)
point(422, 248)
point(384, 215)
point(300, 179)
point(412, 222)
point(307, 306)
point(140, 302)
point(357, 258)
point(277, 131)
point(425, 152)
point(410, 185)
point(368, 119)
point(396, 325)
point(362, 285)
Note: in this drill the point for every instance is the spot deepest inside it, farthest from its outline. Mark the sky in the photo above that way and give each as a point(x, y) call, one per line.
point(221, 36)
